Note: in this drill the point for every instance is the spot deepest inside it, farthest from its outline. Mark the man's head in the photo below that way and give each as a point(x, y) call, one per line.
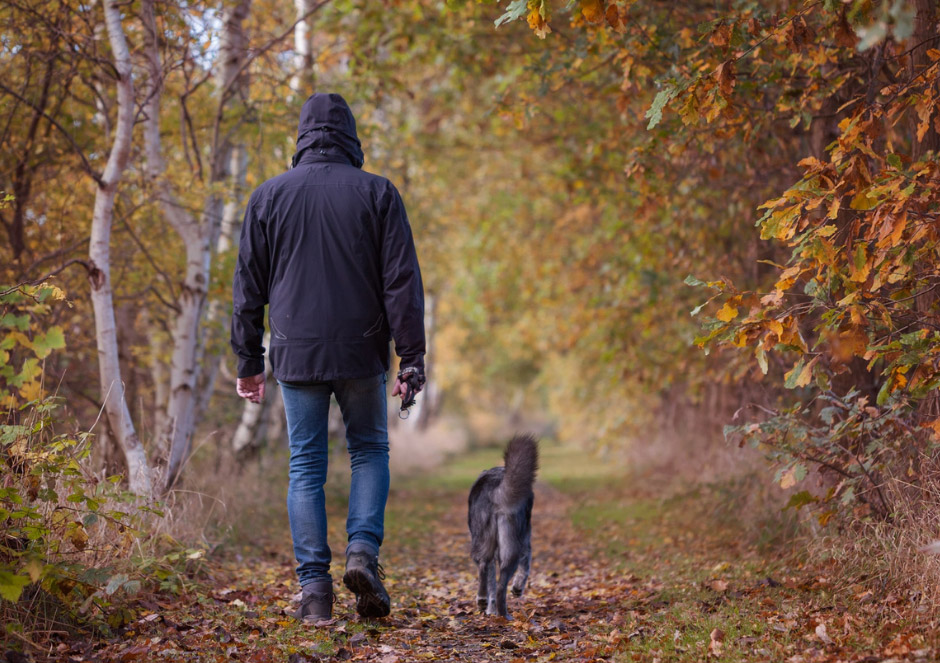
point(327, 126)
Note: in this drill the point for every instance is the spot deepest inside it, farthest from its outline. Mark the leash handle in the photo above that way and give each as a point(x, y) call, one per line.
point(410, 379)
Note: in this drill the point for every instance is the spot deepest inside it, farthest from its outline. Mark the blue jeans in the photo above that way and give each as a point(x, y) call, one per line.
point(363, 404)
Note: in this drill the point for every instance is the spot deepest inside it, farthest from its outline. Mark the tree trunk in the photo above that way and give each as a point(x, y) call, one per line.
point(260, 421)
point(199, 235)
point(217, 323)
point(303, 81)
point(112, 386)
point(428, 399)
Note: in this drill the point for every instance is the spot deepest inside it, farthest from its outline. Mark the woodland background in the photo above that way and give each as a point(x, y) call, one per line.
point(669, 234)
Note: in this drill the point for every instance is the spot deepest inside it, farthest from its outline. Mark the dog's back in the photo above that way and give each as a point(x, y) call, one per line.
point(500, 516)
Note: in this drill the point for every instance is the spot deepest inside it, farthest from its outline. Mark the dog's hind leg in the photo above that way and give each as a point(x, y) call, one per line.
point(525, 562)
point(487, 579)
point(491, 587)
point(509, 553)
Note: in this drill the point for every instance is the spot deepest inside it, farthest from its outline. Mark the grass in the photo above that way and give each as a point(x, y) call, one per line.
point(713, 567)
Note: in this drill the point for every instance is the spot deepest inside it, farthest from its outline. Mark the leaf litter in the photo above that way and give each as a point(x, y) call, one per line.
point(622, 590)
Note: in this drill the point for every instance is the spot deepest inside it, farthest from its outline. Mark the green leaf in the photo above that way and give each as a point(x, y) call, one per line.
point(801, 499)
point(663, 97)
point(903, 15)
point(894, 161)
point(11, 321)
point(861, 257)
point(884, 392)
point(12, 585)
point(53, 339)
point(871, 35)
point(762, 360)
point(115, 582)
point(515, 10)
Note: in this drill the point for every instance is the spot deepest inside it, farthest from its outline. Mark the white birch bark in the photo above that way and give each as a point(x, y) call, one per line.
point(112, 386)
point(198, 235)
point(303, 53)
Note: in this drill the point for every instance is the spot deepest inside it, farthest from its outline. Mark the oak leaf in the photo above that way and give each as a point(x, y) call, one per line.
point(593, 10)
point(727, 313)
point(726, 77)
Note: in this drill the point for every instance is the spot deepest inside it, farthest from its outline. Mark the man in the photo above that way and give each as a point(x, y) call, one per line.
point(329, 249)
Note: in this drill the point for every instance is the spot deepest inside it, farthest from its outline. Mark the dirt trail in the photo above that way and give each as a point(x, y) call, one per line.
point(431, 580)
point(615, 577)
point(569, 591)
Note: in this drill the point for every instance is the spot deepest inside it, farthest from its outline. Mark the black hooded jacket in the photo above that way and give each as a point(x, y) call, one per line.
point(328, 247)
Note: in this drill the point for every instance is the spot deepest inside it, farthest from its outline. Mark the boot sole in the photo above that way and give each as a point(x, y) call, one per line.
point(371, 601)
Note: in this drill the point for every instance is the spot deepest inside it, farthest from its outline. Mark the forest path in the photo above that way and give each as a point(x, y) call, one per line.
point(620, 573)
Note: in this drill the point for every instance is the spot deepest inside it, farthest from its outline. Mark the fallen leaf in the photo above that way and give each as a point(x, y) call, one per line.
point(716, 637)
point(822, 635)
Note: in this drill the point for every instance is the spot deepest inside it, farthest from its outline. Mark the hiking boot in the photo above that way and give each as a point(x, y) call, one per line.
point(364, 578)
point(316, 605)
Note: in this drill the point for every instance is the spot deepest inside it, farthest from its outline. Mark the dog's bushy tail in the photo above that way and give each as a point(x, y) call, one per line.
point(521, 460)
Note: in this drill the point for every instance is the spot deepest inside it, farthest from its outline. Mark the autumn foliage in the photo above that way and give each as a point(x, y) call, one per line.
point(641, 223)
point(818, 121)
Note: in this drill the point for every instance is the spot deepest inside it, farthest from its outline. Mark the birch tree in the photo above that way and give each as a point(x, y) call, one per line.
point(112, 385)
point(199, 234)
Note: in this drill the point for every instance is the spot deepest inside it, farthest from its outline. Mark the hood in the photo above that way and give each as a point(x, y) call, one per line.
point(327, 131)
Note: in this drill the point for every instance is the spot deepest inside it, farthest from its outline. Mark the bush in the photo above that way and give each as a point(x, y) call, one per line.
point(71, 548)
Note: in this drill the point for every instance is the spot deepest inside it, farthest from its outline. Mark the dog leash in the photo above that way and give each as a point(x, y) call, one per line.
point(409, 377)
point(407, 401)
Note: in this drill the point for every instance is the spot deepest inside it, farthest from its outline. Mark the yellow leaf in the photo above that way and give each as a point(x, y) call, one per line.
point(834, 208)
point(78, 538)
point(862, 202)
point(593, 10)
point(33, 569)
point(727, 312)
point(31, 391)
point(806, 374)
point(788, 478)
point(538, 24)
point(776, 327)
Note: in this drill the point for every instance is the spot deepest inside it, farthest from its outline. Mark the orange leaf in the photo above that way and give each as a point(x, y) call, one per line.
point(726, 77)
point(593, 10)
point(614, 19)
point(722, 35)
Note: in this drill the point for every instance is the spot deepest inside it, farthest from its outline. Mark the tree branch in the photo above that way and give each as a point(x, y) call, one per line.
point(88, 168)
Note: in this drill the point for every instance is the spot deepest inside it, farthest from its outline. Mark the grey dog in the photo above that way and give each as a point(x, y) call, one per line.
point(500, 520)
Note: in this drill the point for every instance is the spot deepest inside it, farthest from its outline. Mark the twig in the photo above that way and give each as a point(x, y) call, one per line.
point(88, 168)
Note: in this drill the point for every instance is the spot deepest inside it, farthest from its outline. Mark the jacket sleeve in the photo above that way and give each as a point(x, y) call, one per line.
point(250, 294)
point(403, 291)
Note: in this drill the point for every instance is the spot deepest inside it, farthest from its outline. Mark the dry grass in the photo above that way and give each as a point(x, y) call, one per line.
point(886, 561)
point(875, 561)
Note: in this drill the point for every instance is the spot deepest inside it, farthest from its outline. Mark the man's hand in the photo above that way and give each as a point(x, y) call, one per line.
point(399, 388)
point(251, 388)
point(408, 383)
